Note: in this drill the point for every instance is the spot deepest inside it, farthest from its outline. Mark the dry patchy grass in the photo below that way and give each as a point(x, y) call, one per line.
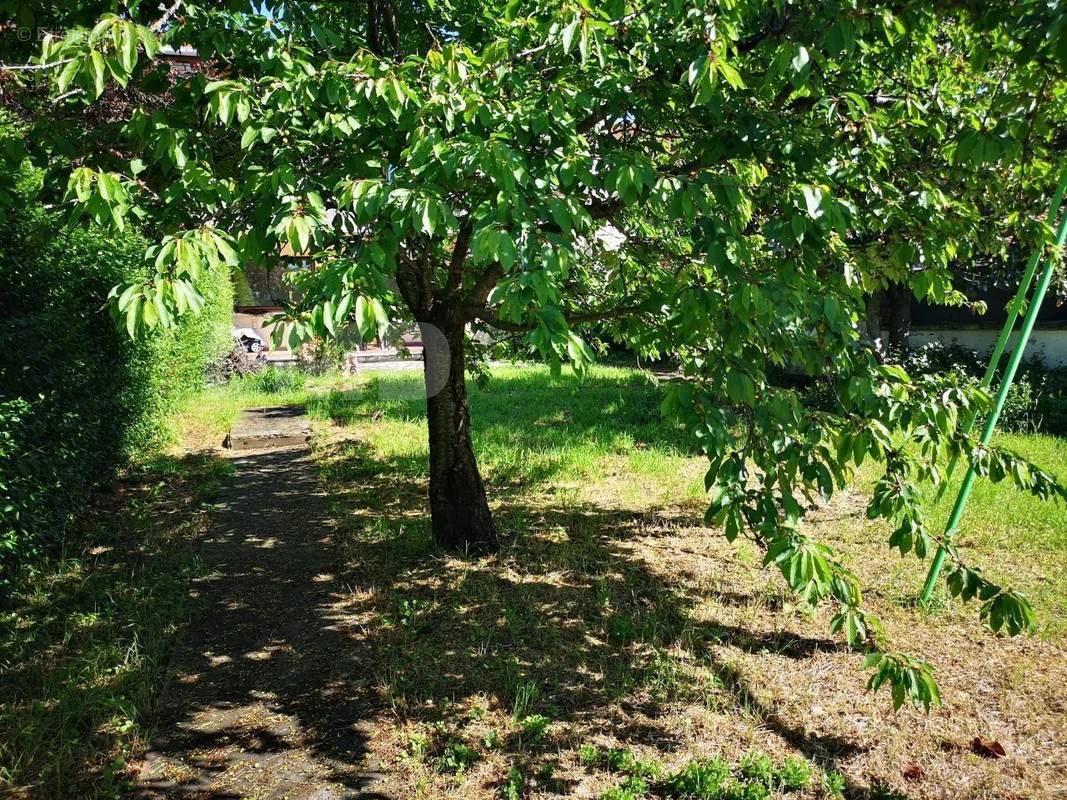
point(614, 618)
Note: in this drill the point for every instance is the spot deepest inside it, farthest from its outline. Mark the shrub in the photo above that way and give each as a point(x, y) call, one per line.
point(1036, 401)
point(78, 398)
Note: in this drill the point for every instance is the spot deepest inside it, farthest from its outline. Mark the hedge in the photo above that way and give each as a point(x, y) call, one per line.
point(78, 398)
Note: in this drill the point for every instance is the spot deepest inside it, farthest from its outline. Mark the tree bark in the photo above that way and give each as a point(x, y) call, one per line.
point(900, 317)
point(459, 510)
point(874, 320)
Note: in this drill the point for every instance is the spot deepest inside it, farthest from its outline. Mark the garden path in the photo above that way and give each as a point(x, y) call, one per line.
point(260, 698)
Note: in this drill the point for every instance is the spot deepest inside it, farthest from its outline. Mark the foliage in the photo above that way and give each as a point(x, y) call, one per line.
point(763, 167)
point(1036, 402)
point(78, 398)
point(753, 778)
point(513, 786)
point(275, 380)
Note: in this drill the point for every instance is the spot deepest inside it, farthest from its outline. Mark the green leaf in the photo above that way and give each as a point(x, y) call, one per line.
point(813, 200)
point(568, 33)
point(250, 135)
point(740, 388)
point(731, 75)
point(98, 69)
point(67, 75)
point(128, 48)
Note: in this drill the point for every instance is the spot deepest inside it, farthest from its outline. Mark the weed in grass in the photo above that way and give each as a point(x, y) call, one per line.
point(526, 695)
point(703, 778)
point(493, 740)
point(407, 613)
point(794, 775)
point(633, 788)
point(757, 767)
point(623, 760)
point(513, 786)
point(746, 790)
point(664, 677)
point(456, 758)
point(419, 745)
point(833, 784)
point(588, 755)
point(534, 727)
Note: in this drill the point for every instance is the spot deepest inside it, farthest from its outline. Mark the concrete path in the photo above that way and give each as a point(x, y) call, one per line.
point(261, 701)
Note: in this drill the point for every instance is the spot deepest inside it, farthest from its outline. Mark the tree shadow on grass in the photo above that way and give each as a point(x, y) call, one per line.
point(566, 622)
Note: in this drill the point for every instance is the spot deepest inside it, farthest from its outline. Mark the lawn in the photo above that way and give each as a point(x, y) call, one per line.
point(616, 648)
point(616, 642)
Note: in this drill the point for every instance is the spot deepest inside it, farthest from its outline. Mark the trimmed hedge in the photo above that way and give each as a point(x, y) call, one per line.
point(78, 398)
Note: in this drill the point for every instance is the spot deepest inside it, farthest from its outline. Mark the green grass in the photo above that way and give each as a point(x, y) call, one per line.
point(1014, 536)
point(571, 432)
point(561, 430)
point(613, 616)
point(85, 639)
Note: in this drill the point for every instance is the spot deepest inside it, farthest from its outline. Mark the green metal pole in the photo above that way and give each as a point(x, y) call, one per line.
point(991, 422)
point(1014, 309)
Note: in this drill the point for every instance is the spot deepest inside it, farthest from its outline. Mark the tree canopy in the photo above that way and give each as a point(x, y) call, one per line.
point(716, 181)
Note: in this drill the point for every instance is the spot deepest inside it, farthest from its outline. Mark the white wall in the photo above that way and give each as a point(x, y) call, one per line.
point(1050, 344)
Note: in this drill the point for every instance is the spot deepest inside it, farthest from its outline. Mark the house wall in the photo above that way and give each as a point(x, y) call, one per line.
point(1049, 343)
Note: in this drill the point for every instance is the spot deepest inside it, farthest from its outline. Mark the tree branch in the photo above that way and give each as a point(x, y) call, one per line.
point(32, 67)
point(485, 284)
point(157, 26)
point(459, 258)
point(487, 315)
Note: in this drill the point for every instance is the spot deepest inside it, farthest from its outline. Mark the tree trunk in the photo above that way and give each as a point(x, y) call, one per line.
point(874, 321)
point(459, 510)
point(900, 317)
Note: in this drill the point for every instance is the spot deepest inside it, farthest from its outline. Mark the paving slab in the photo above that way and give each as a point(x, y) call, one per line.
point(259, 428)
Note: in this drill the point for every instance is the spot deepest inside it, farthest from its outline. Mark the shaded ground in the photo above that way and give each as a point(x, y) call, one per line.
point(262, 701)
point(627, 627)
point(85, 637)
point(613, 618)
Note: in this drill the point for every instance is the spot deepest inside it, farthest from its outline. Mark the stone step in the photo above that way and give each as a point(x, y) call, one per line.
point(263, 428)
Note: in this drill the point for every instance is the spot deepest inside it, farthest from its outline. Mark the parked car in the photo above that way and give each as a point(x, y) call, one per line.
point(251, 341)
